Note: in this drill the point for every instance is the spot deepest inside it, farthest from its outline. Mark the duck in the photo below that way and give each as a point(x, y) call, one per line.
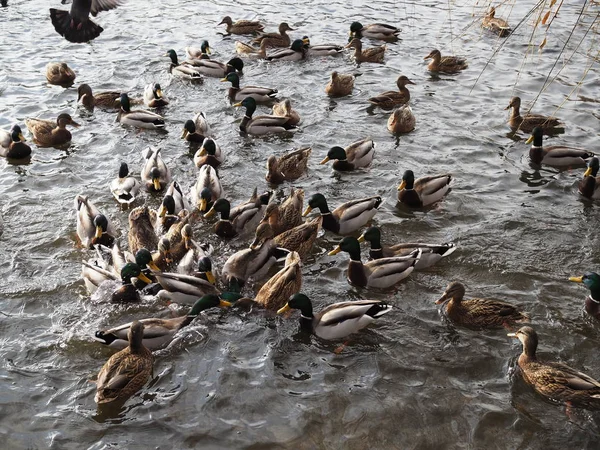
point(559, 156)
point(212, 68)
point(346, 218)
point(237, 94)
point(338, 320)
point(196, 130)
point(446, 64)
point(12, 144)
point(244, 217)
point(553, 380)
point(175, 191)
point(379, 31)
point(207, 188)
point(158, 332)
point(92, 226)
point(423, 191)
point(392, 99)
point(75, 25)
point(49, 133)
point(225, 227)
point(284, 109)
point(138, 118)
point(430, 253)
point(128, 293)
point(373, 54)
point(162, 257)
point(495, 24)
point(124, 188)
point(280, 39)
point(402, 120)
point(301, 238)
point(106, 100)
point(183, 289)
point(127, 371)
point(241, 26)
point(590, 185)
point(166, 215)
point(209, 153)
point(154, 97)
point(261, 125)
point(248, 51)
point(356, 155)
point(322, 49)
point(478, 313)
point(287, 167)
point(287, 215)
point(141, 232)
point(184, 70)
point(297, 52)
point(155, 173)
point(201, 52)
point(196, 260)
point(60, 74)
point(591, 280)
point(274, 294)
point(526, 123)
point(340, 84)
point(96, 271)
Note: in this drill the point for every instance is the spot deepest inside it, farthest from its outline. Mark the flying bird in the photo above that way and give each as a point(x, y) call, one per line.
point(76, 25)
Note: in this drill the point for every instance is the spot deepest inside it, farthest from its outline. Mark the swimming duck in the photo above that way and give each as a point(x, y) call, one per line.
point(241, 26)
point(300, 238)
point(354, 156)
point(559, 156)
point(107, 100)
point(49, 133)
point(379, 31)
point(591, 280)
point(12, 144)
point(297, 52)
point(391, 99)
point(60, 74)
point(373, 54)
point(340, 84)
point(138, 118)
point(174, 190)
point(155, 173)
point(244, 217)
point(183, 289)
point(238, 94)
point(590, 185)
point(207, 188)
point(162, 256)
point(338, 320)
point(96, 271)
point(287, 215)
point(346, 218)
point(495, 24)
point(478, 313)
point(402, 120)
point(280, 39)
point(196, 261)
point(212, 68)
point(92, 226)
point(141, 229)
point(166, 215)
point(446, 64)
point(287, 167)
point(201, 52)
point(126, 371)
point(322, 49)
point(196, 130)
point(430, 253)
point(247, 50)
point(124, 188)
point(288, 281)
point(284, 109)
point(555, 380)
point(128, 293)
point(526, 124)
point(76, 25)
point(261, 125)
point(378, 273)
point(154, 97)
point(184, 70)
point(210, 153)
point(423, 191)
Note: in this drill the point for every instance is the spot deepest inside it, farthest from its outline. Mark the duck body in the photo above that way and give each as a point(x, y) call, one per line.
point(261, 95)
point(196, 130)
point(284, 109)
point(201, 52)
point(183, 70)
point(138, 118)
point(589, 186)
point(300, 238)
point(184, 289)
point(60, 74)
point(340, 84)
point(325, 50)
point(107, 100)
point(527, 123)
point(261, 125)
point(155, 173)
point(124, 188)
point(391, 99)
point(76, 25)
point(558, 156)
point(373, 54)
point(357, 155)
point(287, 215)
point(402, 120)
point(287, 167)
point(495, 24)
point(212, 68)
point(92, 226)
point(209, 153)
point(12, 144)
point(49, 133)
point(243, 218)
point(280, 39)
point(296, 52)
point(242, 26)
point(348, 217)
point(141, 232)
point(423, 191)
point(154, 97)
point(445, 64)
point(277, 290)
point(207, 189)
point(379, 31)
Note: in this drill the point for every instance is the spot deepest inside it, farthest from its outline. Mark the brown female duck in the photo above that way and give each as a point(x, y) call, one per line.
point(373, 54)
point(287, 215)
point(526, 123)
point(60, 74)
point(446, 64)
point(48, 133)
point(141, 229)
point(495, 24)
point(277, 290)
point(391, 99)
point(106, 100)
point(280, 39)
point(241, 26)
point(288, 167)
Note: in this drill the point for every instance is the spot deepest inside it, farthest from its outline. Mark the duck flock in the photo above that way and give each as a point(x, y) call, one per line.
point(163, 261)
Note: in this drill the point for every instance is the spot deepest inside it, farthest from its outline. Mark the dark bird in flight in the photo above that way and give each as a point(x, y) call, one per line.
point(76, 25)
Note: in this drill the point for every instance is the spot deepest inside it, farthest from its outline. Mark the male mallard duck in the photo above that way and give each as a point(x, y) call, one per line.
point(154, 97)
point(141, 229)
point(287, 215)
point(155, 173)
point(181, 202)
point(196, 130)
point(592, 302)
point(212, 68)
point(207, 188)
point(128, 293)
point(244, 217)
point(197, 262)
point(201, 52)
point(92, 226)
point(49, 133)
point(590, 185)
point(559, 156)
point(224, 227)
point(60, 74)
point(300, 238)
point(166, 215)
point(184, 289)
point(237, 93)
point(126, 371)
point(124, 188)
point(340, 84)
point(478, 313)
point(556, 381)
point(297, 52)
point(107, 100)
point(402, 120)
point(526, 124)
point(210, 153)
point(423, 191)
point(338, 320)
point(288, 167)
point(322, 49)
point(346, 218)
point(278, 289)
point(446, 64)
point(284, 109)
point(495, 24)
point(373, 54)
point(138, 118)
point(158, 332)
point(261, 125)
point(391, 99)
point(379, 31)
point(183, 70)
point(76, 25)
point(280, 39)
point(430, 253)
point(242, 26)
point(12, 144)
point(378, 273)
point(356, 155)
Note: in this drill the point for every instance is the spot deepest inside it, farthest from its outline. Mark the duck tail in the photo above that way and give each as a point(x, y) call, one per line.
point(378, 310)
point(105, 338)
point(74, 32)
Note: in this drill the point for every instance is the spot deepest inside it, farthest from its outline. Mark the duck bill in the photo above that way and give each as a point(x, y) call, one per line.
point(99, 232)
point(184, 134)
point(513, 335)
point(144, 278)
point(402, 185)
point(410, 82)
point(238, 104)
point(223, 80)
point(255, 243)
point(210, 277)
point(529, 140)
point(159, 93)
point(22, 138)
point(168, 258)
point(335, 251)
point(285, 309)
point(73, 123)
point(306, 211)
point(210, 213)
point(220, 23)
point(156, 183)
point(576, 279)
point(162, 211)
point(203, 152)
point(224, 303)
point(152, 265)
point(325, 160)
point(208, 51)
point(442, 299)
point(203, 204)
point(588, 172)
point(361, 238)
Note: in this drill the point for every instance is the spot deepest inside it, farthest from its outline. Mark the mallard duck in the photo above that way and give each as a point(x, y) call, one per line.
point(495, 24)
point(402, 120)
point(338, 320)
point(391, 99)
point(212, 68)
point(287, 215)
point(138, 118)
point(591, 280)
point(322, 49)
point(210, 153)
point(242, 26)
point(346, 218)
point(184, 289)
point(280, 39)
point(97, 270)
point(423, 191)
point(60, 74)
point(340, 84)
point(478, 313)
point(126, 371)
point(287, 167)
point(162, 256)
point(259, 94)
point(128, 293)
point(224, 228)
point(555, 380)
point(124, 188)
point(166, 215)
point(354, 156)
point(446, 64)
point(244, 217)
point(158, 332)
point(559, 156)
point(155, 173)
point(207, 188)
point(379, 31)
point(92, 226)
point(373, 54)
point(141, 229)
point(107, 100)
point(297, 52)
point(526, 123)
point(430, 253)
point(378, 273)
point(261, 125)
point(196, 260)
point(194, 130)
point(181, 202)
point(278, 289)
point(284, 109)
point(154, 97)
point(201, 52)
point(247, 50)
point(300, 238)
point(12, 144)
point(590, 185)
point(76, 25)
point(49, 133)
point(183, 70)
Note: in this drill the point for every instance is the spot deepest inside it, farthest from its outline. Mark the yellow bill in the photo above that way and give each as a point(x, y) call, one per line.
point(325, 160)
point(306, 211)
point(156, 183)
point(335, 251)
point(285, 309)
point(210, 277)
point(144, 278)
